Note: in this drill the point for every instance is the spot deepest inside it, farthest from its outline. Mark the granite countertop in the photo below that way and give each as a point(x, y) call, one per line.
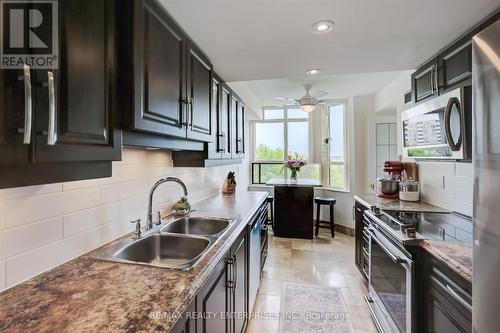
point(457, 256)
point(371, 199)
point(89, 295)
point(289, 182)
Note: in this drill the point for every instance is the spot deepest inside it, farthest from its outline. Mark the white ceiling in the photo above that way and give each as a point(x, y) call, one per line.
point(262, 92)
point(271, 39)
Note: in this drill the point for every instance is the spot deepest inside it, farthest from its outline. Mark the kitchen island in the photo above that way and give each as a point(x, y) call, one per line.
point(294, 207)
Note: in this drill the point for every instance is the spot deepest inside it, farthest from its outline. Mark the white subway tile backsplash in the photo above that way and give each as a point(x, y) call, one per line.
point(121, 226)
point(133, 156)
point(24, 210)
point(2, 215)
point(2, 275)
point(28, 191)
point(464, 169)
point(30, 236)
point(457, 193)
point(29, 264)
point(44, 226)
point(120, 191)
point(82, 220)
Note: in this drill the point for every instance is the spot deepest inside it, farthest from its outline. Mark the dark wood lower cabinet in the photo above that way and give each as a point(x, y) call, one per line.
point(443, 317)
point(187, 323)
point(239, 298)
point(213, 302)
point(447, 299)
point(222, 303)
point(361, 239)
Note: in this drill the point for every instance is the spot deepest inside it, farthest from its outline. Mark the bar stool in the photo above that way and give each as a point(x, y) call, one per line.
point(325, 201)
point(270, 200)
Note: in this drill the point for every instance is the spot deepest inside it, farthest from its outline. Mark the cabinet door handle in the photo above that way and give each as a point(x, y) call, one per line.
point(191, 115)
point(235, 271)
point(52, 131)
point(28, 105)
point(456, 296)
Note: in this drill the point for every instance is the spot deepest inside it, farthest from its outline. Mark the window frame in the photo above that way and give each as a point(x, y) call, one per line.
point(324, 134)
point(285, 122)
point(327, 162)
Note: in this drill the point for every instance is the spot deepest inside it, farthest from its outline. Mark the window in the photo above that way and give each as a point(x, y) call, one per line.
point(337, 143)
point(284, 132)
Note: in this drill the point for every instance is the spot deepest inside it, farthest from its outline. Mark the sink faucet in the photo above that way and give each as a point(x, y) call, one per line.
point(149, 223)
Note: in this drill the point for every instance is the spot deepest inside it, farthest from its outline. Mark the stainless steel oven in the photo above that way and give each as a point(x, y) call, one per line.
point(391, 273)
point(439, 128)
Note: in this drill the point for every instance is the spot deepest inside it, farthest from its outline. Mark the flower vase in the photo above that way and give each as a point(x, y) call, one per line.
point(293, 177)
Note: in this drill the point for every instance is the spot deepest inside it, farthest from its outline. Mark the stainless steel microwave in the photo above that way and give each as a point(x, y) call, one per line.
point(439, 128)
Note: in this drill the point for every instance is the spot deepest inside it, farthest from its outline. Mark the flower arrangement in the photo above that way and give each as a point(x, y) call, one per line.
point(294, 165)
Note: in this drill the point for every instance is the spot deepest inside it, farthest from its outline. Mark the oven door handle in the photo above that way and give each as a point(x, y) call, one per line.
point(393, 257)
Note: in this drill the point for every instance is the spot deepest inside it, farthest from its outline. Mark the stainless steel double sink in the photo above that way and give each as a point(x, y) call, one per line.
point(179, 244)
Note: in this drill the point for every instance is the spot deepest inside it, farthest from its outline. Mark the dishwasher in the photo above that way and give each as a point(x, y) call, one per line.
point(255, 253)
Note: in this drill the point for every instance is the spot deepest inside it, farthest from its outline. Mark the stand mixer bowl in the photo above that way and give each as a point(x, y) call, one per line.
point(388, 186)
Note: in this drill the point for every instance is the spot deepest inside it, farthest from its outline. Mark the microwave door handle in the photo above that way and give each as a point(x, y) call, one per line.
point(447, 123)
point(393, 257)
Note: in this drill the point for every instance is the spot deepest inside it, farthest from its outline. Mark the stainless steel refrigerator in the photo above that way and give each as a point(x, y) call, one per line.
point(486, 115)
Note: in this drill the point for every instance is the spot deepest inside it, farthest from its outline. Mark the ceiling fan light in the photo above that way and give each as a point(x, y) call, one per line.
point(313, 71)
point(307, 108)
point(322, 26)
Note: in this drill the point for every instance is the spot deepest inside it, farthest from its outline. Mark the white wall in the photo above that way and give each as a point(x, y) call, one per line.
point(360, 110)
point(44, 226)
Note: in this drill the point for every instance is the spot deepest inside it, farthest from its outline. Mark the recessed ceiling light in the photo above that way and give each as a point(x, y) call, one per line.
point(322, 26)
point(313, 71)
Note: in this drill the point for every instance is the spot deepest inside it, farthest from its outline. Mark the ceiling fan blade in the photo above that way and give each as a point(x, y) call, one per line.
point(319, 93)
point(284, 99)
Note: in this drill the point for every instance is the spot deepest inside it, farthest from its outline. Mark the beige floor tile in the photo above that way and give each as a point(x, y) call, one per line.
point(268, 303)
point(356, 281)
point(353, 297)
point(270, 287)
point(302, 244)
point(323, 261)
point(263, 326)
point(277, 273)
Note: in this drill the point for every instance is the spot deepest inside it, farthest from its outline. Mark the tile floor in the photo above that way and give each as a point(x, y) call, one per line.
point(323, 261)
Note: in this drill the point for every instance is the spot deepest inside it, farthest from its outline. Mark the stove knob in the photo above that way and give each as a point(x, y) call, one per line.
point(411, 232)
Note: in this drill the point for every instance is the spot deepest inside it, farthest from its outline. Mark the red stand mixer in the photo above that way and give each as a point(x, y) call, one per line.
point(389, 187)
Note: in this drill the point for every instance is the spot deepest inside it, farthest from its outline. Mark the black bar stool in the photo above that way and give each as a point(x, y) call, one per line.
point(270, 200)
point(330, 202)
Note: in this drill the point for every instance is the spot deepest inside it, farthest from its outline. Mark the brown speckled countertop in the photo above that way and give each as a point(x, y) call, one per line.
point(371, 199)
point(88, 295)
point(457, 256)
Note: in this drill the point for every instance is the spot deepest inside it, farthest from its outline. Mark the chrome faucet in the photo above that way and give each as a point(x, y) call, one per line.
point(149, 222)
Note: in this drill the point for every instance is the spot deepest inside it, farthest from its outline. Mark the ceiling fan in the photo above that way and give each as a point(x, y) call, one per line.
point(309, 101)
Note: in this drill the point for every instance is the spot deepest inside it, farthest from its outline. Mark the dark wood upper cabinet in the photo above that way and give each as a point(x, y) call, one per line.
point(225, 132)
point(154, 48)
point(424, 83)
point(215, 146)
point(233, 108)
point(240, 129)
point(13, 112)
point(199, 83)
point(72, 134)
point(74, 104)
point(455, 65)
